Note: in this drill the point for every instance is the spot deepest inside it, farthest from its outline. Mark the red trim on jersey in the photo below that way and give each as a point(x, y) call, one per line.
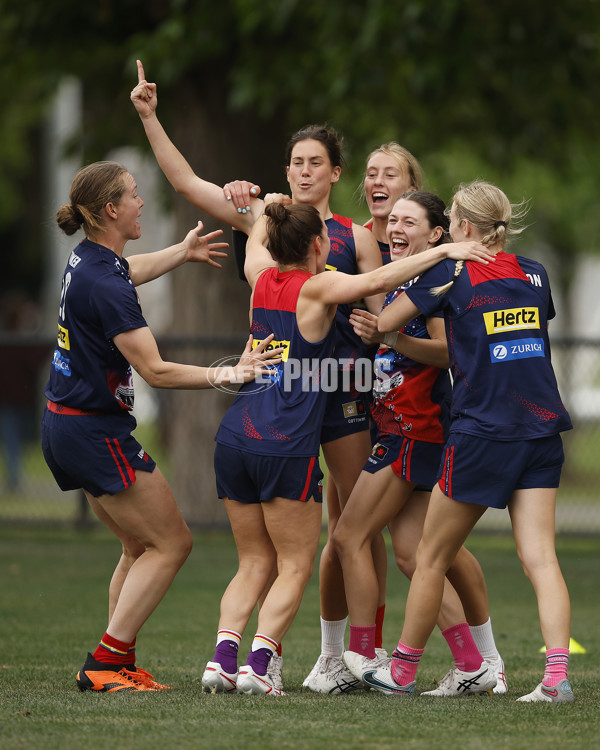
point(369, 225)
point(311, 465)
point(343, 220)
point(279, 290)
point(506, 266)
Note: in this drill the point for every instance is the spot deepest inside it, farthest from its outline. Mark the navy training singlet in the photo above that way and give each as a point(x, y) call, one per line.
point(280, 415)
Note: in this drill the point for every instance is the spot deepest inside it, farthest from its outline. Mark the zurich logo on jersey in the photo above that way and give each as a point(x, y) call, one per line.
point(61, 364)
point(517, 349)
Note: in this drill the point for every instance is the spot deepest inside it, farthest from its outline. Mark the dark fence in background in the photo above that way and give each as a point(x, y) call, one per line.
point(28, 493)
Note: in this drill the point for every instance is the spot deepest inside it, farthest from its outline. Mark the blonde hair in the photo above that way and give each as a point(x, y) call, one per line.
point(489, 210)
point(406, 161)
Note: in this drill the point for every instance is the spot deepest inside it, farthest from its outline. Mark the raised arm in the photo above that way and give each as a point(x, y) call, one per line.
point(204, 195)
point(258, 257)
point(195, 248)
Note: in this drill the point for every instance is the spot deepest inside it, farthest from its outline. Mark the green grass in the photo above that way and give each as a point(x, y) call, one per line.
point(53, 610)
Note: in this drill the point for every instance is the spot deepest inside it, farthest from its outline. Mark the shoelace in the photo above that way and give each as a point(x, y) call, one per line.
point(149, 678)
point(143, 678)
point(134, 677)
point(447, 678)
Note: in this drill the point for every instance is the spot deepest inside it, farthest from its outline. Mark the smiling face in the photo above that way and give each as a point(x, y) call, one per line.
point(310, 173)
point(386, 179)
point(129, 209)
point(409, 231)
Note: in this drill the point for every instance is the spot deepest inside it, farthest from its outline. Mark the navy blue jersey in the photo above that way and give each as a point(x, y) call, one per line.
point(410, 398)
point(280, 415)
point(496, 316)
point(98, 301)
point(384, 248)
point(342, 257)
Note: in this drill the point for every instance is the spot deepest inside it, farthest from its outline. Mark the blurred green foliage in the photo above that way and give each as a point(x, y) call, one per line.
point(509, 91)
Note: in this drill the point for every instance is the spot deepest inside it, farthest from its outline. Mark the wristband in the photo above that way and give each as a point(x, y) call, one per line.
point(390, 339)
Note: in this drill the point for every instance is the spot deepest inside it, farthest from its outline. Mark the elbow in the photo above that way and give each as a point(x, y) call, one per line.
point(155, 378)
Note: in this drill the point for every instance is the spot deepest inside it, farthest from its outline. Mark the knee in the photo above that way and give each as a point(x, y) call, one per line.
point(298, 569)
point(341, 539)
point(181, 546)
point(535, 566)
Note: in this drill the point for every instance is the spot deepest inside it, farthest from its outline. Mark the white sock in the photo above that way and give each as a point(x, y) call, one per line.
point(484, 639)
point(332, 636)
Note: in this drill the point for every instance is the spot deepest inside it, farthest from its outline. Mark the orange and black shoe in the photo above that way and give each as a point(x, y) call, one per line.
point(141, 675)
point(109, 678)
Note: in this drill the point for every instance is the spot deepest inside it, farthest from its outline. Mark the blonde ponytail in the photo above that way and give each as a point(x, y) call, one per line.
point(437, 291)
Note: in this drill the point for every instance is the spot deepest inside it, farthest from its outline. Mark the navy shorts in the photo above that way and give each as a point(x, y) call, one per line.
point(347, 411)
point(251, 478)
point(487, 472)
point(413, 460)
point(95, 452)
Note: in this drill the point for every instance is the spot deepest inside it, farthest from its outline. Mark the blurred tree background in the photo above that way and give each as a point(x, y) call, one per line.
point(508, 91)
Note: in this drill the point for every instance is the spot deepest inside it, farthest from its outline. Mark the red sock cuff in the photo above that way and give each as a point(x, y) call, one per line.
point(379, 626)
point(111, 650)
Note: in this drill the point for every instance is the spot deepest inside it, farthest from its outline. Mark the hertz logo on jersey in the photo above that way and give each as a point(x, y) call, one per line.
point(514, 319)
point(63, 338)
point(275, 345)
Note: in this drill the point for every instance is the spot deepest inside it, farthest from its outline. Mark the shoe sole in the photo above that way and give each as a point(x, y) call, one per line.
point(371, 682)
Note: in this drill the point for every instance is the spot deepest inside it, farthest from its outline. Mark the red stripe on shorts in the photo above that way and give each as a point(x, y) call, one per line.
point(311, 465)
point(128, 467)
point(116, 460)
point(407, 449)
point(448, 469)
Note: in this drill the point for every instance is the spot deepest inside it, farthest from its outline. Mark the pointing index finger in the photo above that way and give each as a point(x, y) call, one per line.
point(140, 67)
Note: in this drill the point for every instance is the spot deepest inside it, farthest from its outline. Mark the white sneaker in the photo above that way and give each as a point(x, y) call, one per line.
point(457, 683)
point(216, 680)
point(331, 677)
point(274, 670)
point(381, 653)
point(250, 683)
point(360, 665)
point(497, 667)
point(376, 674)
point(561, 693)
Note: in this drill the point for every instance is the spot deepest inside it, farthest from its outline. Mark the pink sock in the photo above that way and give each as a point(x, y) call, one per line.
point(557, 662)
point(405, 661)
point(362, 640)
point(466, 654)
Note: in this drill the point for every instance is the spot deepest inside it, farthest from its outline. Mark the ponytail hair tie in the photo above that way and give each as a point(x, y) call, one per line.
point(499, 224)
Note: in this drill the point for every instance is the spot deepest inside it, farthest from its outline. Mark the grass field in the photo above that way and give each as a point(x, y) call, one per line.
point(53, 610)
